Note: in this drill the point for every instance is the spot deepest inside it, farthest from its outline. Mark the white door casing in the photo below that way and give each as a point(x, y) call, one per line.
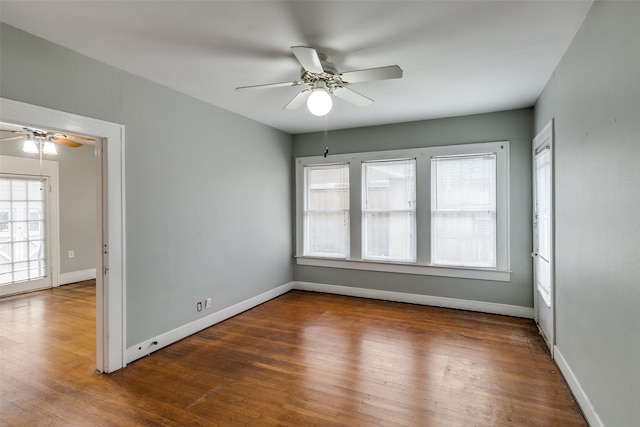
point(111, 265)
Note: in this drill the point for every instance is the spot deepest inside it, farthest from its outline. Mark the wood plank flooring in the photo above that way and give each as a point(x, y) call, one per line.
point(303, 359)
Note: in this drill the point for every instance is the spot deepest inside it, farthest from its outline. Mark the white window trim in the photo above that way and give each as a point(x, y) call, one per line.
point(422, 265)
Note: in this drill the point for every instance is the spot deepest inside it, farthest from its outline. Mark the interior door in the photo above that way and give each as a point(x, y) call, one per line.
point(543, 261)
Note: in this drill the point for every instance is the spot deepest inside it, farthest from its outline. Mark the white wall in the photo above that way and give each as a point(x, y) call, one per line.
point(594, 96)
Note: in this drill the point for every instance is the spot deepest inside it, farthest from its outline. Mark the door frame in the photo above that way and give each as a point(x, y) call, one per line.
point(547, 133)
point(111, 259)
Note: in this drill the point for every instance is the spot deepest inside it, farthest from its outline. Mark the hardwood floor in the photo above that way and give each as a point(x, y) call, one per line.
point(303, 359)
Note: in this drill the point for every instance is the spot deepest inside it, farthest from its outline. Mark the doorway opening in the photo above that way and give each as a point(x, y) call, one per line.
point(110, 229)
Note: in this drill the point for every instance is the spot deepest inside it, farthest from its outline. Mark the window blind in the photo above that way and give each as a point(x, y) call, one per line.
point(389, 210)
point(326, 210)
point(463, 220)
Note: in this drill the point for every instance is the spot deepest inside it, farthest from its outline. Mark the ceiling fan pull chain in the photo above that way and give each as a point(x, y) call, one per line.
point(326, 145)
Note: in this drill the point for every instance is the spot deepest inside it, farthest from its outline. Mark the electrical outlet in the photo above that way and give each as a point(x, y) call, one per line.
point(199, 306)
point(207, 303)
point(71, 254)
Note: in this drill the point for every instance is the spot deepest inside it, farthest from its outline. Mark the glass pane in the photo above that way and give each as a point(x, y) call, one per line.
point(19, 189)
point(543, 202)
point(5, 252)
point(20, 233)
point(5, 189)
point(4, 222)
point(464, 239)
point(20, 251)
point(543, 224)
point(6, 273)
point(390, 185)
point(327, 234)
point(327, 187)
point(20, 271)
point(18, 211)
point(390, 236)
point(36, 250)
point(464, 182)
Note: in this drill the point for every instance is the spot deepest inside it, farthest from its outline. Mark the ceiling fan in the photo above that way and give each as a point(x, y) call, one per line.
point(321, 79)
point(37, 137)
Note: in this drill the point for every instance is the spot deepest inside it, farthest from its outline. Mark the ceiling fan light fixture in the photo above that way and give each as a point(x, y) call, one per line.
point(319, 102)
point(30, 146)
point(49, 147)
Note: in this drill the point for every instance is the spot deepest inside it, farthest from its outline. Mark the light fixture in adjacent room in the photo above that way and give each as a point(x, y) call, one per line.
point(48, 147)
point(29, 145)
point(34, 143)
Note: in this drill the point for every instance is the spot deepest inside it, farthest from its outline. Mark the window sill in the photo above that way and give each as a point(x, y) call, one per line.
point(425, 270)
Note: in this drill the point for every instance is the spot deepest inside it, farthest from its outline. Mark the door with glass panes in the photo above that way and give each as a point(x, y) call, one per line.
point(24, 234)
point(542, 254)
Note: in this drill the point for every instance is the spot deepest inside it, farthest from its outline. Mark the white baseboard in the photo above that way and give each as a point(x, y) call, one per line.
point(76, 276)
point(148, 346)
point(485, 307)
point(583, 401)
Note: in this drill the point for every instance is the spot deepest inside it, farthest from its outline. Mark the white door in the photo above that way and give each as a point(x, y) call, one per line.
point(543, 266)
point(28, 225)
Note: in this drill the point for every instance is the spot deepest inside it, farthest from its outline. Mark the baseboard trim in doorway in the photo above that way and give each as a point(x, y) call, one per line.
point(149, 346)
point(581, 397)
point(460, 304)
point(76, 276)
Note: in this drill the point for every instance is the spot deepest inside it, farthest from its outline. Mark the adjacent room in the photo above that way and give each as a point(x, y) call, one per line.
point(320, 213)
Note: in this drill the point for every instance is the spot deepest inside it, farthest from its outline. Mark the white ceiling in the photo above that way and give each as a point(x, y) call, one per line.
point(458, 57)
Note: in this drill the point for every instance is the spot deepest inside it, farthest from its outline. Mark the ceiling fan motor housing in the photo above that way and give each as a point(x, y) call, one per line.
point(330, 77)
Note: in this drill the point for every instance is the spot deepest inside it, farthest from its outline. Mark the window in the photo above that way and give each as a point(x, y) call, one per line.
point(389, 210)
point(434, 211)
point(463, 210)
point(326, 210)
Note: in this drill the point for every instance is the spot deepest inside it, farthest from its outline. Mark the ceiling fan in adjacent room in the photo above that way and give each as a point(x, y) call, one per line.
point(321, 79)
point(36, 140)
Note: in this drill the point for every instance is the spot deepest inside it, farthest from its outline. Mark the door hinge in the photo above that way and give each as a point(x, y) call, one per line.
point(106, 270)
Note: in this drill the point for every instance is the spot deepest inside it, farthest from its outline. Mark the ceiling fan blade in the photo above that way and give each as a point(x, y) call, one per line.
point(352, 96)
point(11, 138)
point(380, 73)
point(270, 85)
point(71, 137)
point(66, 142)
point(308, 58)
point(297, 100)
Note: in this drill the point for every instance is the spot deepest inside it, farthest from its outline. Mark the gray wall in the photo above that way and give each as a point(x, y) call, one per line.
point(594, 96)
point(514, 126)
point(77, 192)
point(207, 191)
